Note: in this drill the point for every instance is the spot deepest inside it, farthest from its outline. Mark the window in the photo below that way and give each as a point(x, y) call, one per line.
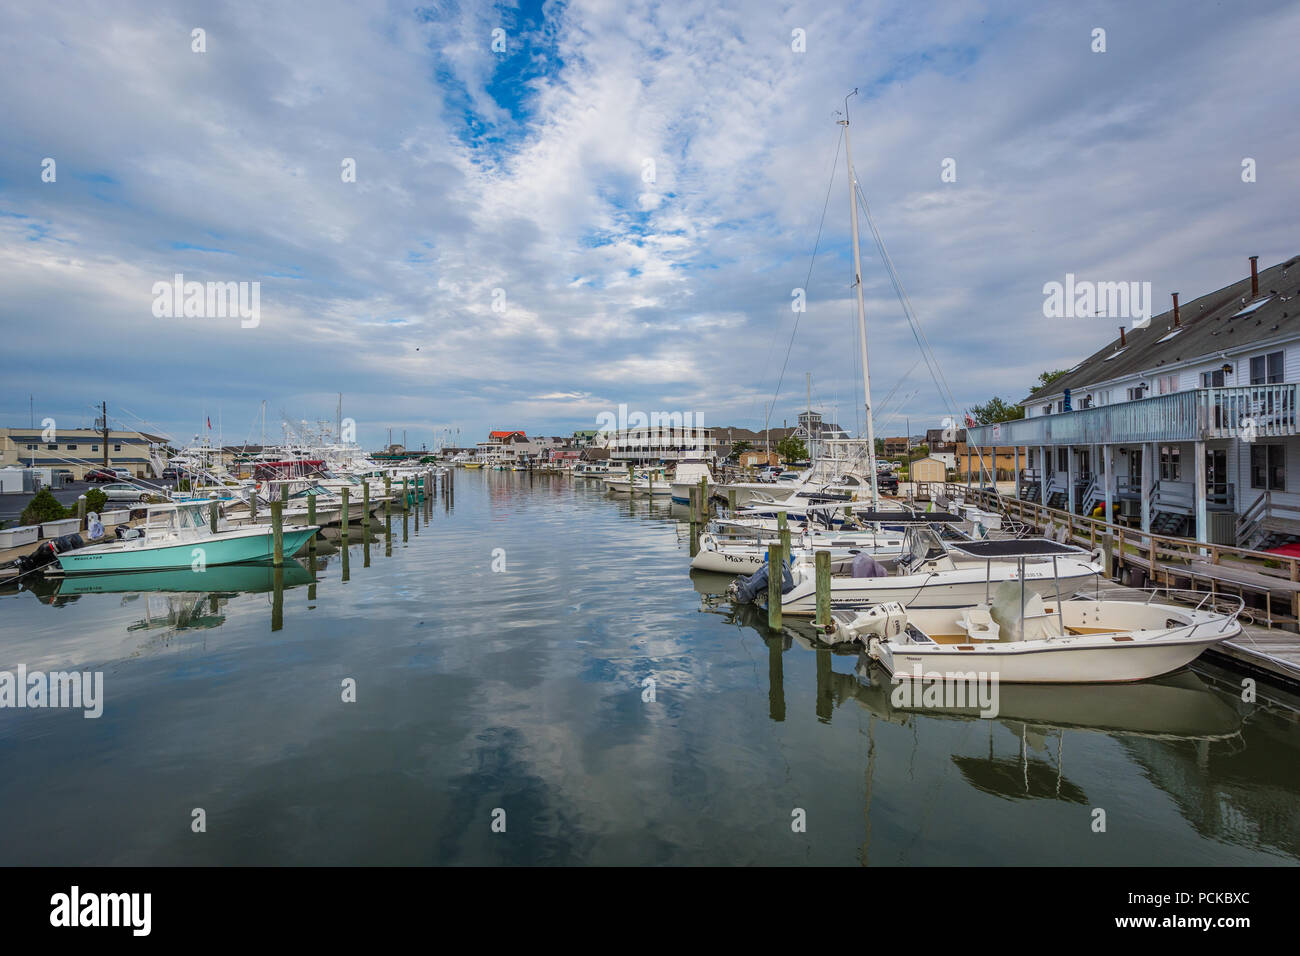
point(1171, 468)
point(117, 448)
point(1103, 397)
point(1266, 369)
point(72, 448)
point(51, 447)
point(1062, 459)
point(1268, 467)
point(31, 447)
point(1167, 384)
point(1136, 392)
point(1212, 379)
point(94, 448)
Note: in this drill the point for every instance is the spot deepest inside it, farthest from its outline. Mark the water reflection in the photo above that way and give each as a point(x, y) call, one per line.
point(1226, 764)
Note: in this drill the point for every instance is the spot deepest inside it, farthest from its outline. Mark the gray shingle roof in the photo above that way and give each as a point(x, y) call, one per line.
point(1209, 326)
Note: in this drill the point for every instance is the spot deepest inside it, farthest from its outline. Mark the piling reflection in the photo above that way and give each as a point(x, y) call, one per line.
point(1226, 764)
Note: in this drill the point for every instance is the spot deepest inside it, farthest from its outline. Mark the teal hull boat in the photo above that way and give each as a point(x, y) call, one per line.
point(217, 550)
point(178, 537)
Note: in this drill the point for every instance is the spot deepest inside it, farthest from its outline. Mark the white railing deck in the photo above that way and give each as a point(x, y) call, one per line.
point(1203, 414)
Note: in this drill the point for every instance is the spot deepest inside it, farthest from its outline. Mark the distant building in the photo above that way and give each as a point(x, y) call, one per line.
point(813, 431)
point(503, 446)
point(80, 450)
point(730, 436)
point(897, 447)
point(659, 443)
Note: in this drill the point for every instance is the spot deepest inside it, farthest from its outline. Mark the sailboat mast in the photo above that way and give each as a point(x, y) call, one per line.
point(862, 308)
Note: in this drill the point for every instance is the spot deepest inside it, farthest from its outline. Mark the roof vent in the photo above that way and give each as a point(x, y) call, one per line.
point(1254, 276)
point(1176, 322)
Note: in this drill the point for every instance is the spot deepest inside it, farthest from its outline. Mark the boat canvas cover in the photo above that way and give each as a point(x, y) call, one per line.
point(1002, 548)
point(865, 566)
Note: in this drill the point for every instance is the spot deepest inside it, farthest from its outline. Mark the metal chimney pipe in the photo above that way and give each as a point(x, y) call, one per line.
point(1177, 323)
point(1123, 341)
point(1254, 277)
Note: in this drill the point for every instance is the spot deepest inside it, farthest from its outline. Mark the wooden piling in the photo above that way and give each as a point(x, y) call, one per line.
point(277, 532)
point(81, 513)
point(213, 508)
point(406, 496)
point(774, 576)
point(731, 498)
point(365, 506)
point(344, 525)
point(823, 564)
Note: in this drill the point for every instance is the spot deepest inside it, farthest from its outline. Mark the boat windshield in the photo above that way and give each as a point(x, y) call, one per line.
point(925, 544)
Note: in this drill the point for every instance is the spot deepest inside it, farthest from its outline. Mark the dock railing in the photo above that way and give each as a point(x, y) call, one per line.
point(1159, 557)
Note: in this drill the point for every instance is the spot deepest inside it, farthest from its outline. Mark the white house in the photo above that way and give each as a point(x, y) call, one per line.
point(1185, 427)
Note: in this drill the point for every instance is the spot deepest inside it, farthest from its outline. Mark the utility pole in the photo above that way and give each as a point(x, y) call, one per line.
point(104, 422)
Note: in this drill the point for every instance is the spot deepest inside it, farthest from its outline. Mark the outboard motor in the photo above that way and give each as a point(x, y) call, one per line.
point(743, 590)
point(47, 552)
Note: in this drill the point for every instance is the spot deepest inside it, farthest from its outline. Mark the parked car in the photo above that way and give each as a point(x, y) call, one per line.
point(125, 492)
point(171, 474)
point(887, 483)
point(101, 474)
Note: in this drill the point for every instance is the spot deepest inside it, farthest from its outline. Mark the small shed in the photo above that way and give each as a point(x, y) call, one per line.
point(928, 470)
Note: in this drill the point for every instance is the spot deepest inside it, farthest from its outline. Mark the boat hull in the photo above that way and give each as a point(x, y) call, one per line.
point(1062, 664)
point(961, 589)
point(237, 549)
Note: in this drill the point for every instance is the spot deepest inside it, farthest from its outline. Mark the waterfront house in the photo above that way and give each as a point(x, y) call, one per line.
point(1186, 426)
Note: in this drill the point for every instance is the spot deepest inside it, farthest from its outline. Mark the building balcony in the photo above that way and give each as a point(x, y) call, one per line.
point(1203, 414)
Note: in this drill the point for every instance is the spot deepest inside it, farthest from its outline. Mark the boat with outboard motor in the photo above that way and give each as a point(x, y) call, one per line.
point(933, 574)
point(1017, 636)
point(179, 536)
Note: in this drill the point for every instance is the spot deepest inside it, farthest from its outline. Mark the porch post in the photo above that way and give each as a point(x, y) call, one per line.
point(1069, 478)
point(1095, 462)
point(968, 464)
point(1108, 460)
point(1147, 464)
point(1016, 476)
point(1042, 475)
point(1202, 491)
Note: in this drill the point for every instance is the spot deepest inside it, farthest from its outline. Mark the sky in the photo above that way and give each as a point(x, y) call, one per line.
point(613, 206)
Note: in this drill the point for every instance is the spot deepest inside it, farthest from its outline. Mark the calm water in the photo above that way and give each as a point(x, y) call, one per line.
point(522, 690)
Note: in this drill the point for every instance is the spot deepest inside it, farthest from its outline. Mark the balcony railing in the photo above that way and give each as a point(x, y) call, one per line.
point(1203, 414)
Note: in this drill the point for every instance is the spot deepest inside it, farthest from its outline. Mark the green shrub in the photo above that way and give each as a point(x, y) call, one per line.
point(43, 507)
point(96, 500)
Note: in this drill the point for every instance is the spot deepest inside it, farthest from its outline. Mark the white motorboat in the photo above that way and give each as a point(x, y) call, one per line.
point(1075, 641)
point(647, 482)
point(687, 476)
point(932, 574)
point(878, 533)
point(726, 555)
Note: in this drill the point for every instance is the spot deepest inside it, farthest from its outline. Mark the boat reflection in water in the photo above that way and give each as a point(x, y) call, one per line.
point(1226, 764)
point(184, 600)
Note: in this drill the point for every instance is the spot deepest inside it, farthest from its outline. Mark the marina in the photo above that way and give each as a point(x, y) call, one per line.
point(539, 707)
point(679, 435)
